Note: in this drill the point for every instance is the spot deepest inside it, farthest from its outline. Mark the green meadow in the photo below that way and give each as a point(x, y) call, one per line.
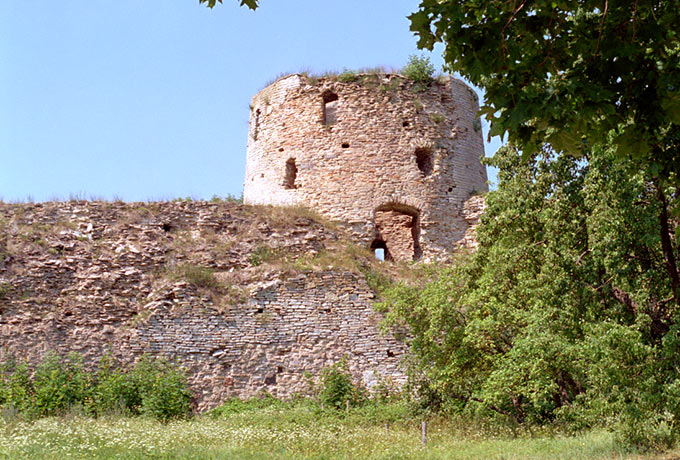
point(295, 431)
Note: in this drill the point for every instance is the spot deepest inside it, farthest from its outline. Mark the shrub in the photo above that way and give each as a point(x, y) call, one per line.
point(17, 388)
point(418, 69)
point(162, 388)
point(59, 384)
point(153, 387)
point(337, 388)
point(116, 391)
point(348, 76)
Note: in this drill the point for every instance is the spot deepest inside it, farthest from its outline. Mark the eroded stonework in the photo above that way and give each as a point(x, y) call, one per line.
point(96, 278)
point(354, 151)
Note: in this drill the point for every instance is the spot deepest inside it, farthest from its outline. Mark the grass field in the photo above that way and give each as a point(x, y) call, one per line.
point(290, 432)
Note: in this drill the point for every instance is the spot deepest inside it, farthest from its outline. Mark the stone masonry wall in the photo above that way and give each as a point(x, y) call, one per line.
point(95, 277)
point(286, 329)
point(380, 143)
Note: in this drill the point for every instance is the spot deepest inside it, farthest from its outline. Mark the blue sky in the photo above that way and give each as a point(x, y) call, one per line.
point(144, 99)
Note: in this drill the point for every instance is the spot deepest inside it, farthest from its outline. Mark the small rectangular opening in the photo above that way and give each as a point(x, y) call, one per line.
point(330, 106)
point(290, 175)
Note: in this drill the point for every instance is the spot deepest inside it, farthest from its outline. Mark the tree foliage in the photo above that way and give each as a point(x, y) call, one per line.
point(569, 73)
point(569, 310)
point(252, 4)
point(566, 312)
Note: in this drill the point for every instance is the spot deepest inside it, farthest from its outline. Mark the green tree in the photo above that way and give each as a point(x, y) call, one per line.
point(252, 4)
point(569, 72)
point(564, 312)
point(575, 77)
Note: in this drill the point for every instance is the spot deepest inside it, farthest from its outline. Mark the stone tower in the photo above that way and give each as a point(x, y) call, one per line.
point(396, 161)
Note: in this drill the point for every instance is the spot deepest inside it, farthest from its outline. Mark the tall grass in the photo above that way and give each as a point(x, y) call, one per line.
point(294, 430)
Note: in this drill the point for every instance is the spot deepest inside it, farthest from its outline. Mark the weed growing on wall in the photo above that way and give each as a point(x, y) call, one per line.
point(201, 277)
point(229, 198)
point(348, 76)
point(437, 118)
point(260, 255)
point(5, 288)
point(418, 69)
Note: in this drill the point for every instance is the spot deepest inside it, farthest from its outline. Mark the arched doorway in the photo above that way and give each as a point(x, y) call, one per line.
point(397, 231)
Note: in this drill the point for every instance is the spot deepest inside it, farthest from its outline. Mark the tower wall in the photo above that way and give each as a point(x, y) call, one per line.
point(362, 151)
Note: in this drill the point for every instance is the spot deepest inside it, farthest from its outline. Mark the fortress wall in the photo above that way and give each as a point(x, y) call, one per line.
point(368, 153)
point(95, 278)
point(285, 331)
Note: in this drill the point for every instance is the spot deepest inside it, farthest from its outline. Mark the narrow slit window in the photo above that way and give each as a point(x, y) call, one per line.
point(424, 161)
point(291, 174)
point(330, 107)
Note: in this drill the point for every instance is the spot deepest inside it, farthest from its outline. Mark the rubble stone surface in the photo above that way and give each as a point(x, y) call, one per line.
point(352, 150)
point(188, 280)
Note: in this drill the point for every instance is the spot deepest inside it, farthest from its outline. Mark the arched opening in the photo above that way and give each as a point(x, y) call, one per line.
point(290, 175)
point(424, 160)
point(330, 106)
point(397, 230)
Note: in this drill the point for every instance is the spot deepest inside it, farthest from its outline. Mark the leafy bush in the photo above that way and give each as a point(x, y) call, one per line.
point(337, 388)
point(163, 389)
point(116, 391)
point(60, 384)
point(16, 388)
point(154, 387)
point(563, 314)
point(418, 69)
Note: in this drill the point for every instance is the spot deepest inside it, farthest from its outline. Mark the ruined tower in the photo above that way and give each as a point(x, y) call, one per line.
point(398, 162)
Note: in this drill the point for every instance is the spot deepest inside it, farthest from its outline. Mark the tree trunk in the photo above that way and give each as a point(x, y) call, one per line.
point(667, 244)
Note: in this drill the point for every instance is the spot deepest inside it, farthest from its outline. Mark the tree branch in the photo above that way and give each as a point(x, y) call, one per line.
point(514, 14)
point(634, 20)
point(623, 297)
point(604, 16)
point(495, 409)
point(667, 244)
